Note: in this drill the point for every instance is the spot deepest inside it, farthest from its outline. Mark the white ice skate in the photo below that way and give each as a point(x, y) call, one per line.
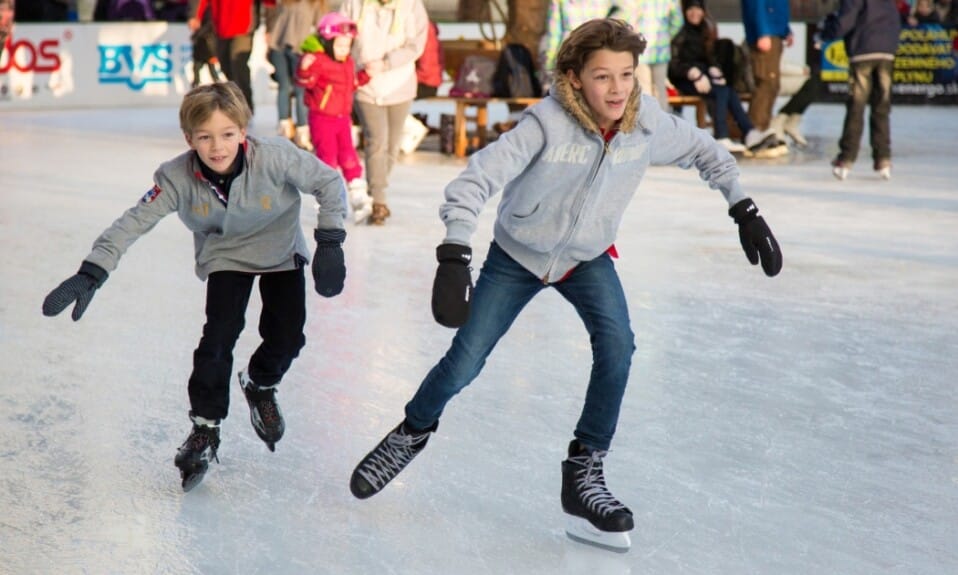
point(359, 200)
point(580, 530)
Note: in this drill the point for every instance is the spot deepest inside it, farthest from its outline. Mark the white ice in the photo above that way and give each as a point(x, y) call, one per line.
point(805, 424)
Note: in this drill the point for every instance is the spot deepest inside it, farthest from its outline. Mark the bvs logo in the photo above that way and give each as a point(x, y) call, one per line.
point(26, 56)
point(120, 65)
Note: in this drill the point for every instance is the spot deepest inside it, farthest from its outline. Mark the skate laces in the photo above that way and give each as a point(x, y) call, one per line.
point(201, 438)
point(268, 410)
point(590, 482)
point(391, 457)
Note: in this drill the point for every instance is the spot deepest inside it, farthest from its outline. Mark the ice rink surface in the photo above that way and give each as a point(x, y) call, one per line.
point(805, 424)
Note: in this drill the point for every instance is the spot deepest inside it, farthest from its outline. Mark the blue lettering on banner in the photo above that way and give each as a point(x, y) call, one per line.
point(120, 64)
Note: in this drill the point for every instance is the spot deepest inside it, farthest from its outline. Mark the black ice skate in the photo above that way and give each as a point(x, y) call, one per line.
point(596, 517)
point(386, 460)
point(194, 456)
point(264, 412)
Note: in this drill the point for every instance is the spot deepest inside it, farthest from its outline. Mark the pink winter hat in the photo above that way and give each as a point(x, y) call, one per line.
point(335, 24)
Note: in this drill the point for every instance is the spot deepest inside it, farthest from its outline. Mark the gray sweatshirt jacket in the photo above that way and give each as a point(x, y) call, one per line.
point(257, 230)
point(564, 190)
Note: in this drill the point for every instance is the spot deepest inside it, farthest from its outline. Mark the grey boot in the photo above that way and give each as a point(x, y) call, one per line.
point(793, 127)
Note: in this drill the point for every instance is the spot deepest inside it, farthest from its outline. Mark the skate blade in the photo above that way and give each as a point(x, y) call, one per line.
point(191, 480)
point(581, 531)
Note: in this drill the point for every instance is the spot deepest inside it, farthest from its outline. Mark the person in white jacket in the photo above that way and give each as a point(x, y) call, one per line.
point(391, 36)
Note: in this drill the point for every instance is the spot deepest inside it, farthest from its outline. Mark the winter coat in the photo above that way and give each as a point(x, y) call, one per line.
point(765, 18)
point(260, 232)
point(564, 188)
point(292, 23)
point(689, 51)
point(562, 17)
point(870, 29)
point(329, 85)
point(429, 66)
point(231, 18)
point(658, 21)
point(395, 34)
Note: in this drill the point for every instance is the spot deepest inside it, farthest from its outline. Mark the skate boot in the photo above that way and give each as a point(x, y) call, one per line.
point(286, 128)
point(302, 138)
point(359, 200)
point(193, 457)
point(386, 460)
point(379, 215)
point(264, 412)
point(841, 168)
point(595, 517)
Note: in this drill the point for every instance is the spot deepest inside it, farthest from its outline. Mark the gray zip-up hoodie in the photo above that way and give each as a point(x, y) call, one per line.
point(564, 190)
point(256, 230)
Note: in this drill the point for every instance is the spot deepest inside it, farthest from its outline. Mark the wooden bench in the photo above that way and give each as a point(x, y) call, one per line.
point(475, 111)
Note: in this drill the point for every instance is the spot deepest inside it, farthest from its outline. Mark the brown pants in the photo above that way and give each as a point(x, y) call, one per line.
point(766, 69)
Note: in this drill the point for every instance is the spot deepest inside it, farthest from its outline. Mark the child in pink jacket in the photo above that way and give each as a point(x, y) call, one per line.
point(328, 74)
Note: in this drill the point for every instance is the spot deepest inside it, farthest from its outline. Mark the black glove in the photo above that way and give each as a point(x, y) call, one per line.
point(78, 288)
point(452, 288)
point(329, 264)
point(757, 240)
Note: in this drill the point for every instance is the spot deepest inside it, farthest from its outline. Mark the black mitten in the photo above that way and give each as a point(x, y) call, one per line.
point(452, 288)
point(78, 288)
point(329, 264)
point(757, 240)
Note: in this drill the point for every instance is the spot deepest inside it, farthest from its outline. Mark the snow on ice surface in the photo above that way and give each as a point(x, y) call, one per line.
point(801, 424)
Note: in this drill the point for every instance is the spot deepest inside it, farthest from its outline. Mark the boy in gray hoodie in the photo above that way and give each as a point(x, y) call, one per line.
point(240, 196)
point(567, 172)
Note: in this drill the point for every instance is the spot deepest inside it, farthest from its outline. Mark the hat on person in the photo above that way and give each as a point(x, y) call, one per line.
point(686, 4)
point(335, 24)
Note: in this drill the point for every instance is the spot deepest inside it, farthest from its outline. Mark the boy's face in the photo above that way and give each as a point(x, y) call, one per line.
point(606, 82)
point(217, 142)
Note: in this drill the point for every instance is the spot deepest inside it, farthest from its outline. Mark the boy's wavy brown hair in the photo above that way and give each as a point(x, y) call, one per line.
point(200, 103)
point(602, 33)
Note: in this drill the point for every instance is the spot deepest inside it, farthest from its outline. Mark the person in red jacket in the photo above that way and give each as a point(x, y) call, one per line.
point(429, 66)
point(328, 74)
point(234, 22)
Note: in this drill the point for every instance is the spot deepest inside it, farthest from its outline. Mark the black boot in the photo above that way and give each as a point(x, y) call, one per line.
point(264, 412)
point(386, 460)
point(585, 495)
point(194, 456)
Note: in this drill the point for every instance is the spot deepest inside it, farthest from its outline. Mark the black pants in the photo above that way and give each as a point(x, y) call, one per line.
point(233, 54)
point(280, 325)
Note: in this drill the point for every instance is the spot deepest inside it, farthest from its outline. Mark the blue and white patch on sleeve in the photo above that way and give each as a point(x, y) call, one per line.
point(151, 195)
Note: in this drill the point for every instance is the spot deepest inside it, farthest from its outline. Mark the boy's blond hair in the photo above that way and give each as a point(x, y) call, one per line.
point(200, 103)
point(602, 33)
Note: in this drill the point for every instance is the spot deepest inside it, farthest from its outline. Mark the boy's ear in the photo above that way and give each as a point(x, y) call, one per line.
point(189, 139)
point(573, 79)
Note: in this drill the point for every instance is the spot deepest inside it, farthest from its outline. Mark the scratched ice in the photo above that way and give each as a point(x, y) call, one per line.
point(803, 424)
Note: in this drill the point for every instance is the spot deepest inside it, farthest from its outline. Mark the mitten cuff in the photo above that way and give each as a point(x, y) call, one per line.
point(744, 211)
point(454, 253)
point(94, 271)
point(329, 236)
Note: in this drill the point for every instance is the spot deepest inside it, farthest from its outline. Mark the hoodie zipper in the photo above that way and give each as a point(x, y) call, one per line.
point(577, 209)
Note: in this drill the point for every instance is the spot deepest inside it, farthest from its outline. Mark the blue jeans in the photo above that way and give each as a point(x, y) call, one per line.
point(502, 290)
point(285, 63)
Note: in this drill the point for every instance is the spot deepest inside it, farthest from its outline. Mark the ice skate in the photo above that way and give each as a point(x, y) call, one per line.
point(194, 456)
point(793, 127)
point(379, 215)
point(286, 128)
point(883, 168)
point(359, 200)
point(302, 138)
point(595, 516)
point(264, 412)
point(386, 460)
point(841, 168)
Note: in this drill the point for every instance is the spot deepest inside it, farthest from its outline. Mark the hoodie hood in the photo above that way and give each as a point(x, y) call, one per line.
point(574, 103)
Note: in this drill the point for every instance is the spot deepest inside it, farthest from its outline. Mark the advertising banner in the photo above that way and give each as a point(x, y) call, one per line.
point(70, 65)
point(926, 67)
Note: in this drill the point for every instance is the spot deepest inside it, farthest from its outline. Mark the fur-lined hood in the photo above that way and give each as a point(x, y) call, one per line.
point(574, 103)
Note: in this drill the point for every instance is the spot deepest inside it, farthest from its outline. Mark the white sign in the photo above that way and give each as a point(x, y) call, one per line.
point(71, 65)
